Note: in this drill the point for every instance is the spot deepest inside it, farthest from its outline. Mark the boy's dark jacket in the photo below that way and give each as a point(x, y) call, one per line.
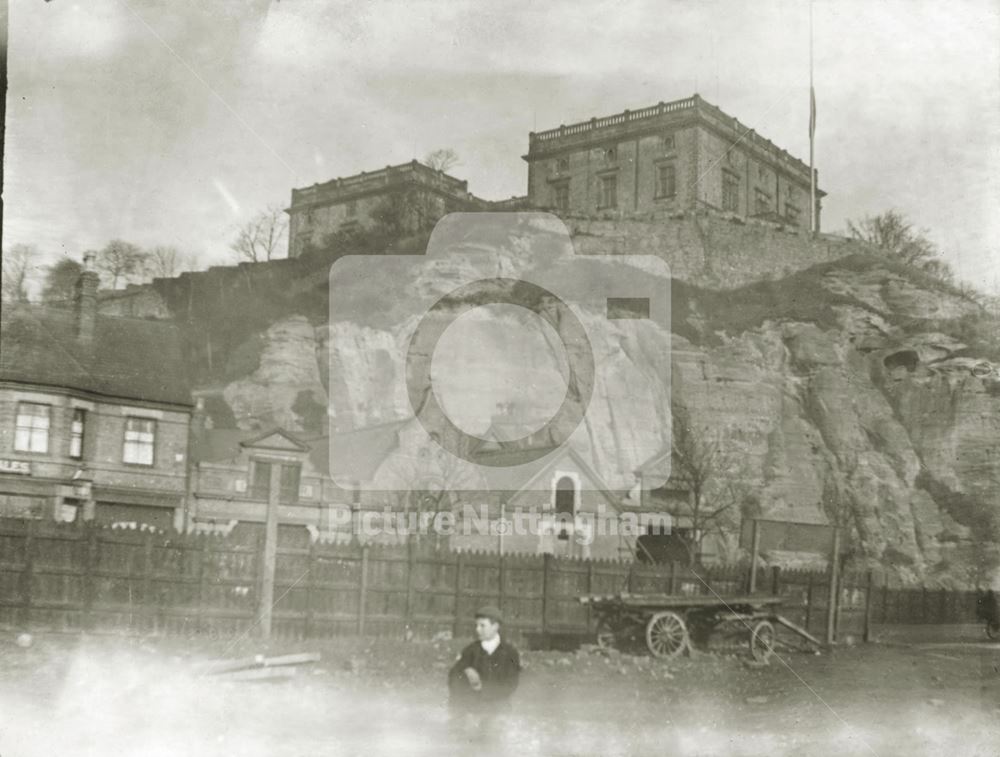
point(499, 673)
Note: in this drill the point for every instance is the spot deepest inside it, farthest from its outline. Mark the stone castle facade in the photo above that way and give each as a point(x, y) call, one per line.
point(681, 156)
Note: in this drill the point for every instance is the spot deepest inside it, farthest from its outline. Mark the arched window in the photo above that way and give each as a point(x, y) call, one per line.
point(565, 505)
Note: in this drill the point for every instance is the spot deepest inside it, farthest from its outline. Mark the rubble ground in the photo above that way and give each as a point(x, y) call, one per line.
point(150, 696)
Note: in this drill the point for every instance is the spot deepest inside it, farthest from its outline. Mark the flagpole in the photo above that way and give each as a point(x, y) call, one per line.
point(812, 129)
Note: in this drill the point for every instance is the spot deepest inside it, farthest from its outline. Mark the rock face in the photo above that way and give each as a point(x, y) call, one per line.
point(852, 399)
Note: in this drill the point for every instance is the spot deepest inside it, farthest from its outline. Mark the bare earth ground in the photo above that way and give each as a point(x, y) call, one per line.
point(70, 695)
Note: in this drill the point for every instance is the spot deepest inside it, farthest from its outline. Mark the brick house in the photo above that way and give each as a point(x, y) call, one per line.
point(94, 415)
point(678, 156)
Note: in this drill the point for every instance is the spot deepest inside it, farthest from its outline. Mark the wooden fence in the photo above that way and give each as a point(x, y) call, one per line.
point(76, 577)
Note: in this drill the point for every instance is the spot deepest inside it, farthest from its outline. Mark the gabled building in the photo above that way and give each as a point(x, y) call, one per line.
point(232, 473)
point(94, 415)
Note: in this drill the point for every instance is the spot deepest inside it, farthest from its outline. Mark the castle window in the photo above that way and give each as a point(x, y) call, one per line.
point(762, 202)
point(730, 192)
point(733, 156)
point(608, 197)
point(667, 142)
point(610, 155)
point(562, 164)
point(560, 196)
point(666, 180)
point(352, 208)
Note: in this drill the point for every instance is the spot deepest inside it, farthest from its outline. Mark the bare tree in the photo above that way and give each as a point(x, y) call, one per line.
point(262, 237)
point(60, 280)
point(892, 232)
point(709, 467)
point(443, 159)
point(18, 263)
point(165, 262)
point(121, 262)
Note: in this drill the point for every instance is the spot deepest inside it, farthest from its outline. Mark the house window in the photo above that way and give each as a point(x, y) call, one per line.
point(352, 208)
point(31, 433)
point(565, 505)
point(608, 197)
point(666, 180)
point(611, 155)
point(562, 164)
point(667, 142)
point(260, 485)
point(733, 156)
point(76, 433)
point(289, 484)
point(730, 192)
point(762, 202)
point(560, 196)
point(140, 440)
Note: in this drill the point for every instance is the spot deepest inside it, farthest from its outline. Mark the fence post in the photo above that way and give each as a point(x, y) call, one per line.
point(410, 567)
point(809, 600)
point(89, 558)
point(885, 598)
point(869, 584)
point(590, 590)
point(775, 580)
point(147, 582)
point(831, 605)
point(28, 571)
point(202, 562)
point(754, 548)
point(307, 628)
point(500, 582)
point(546, 562)
point(362, 590)
point(457, 622)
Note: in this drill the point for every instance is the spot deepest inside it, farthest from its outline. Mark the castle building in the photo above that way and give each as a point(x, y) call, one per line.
point(685, 155)
point(408, 196)
point(676, 156)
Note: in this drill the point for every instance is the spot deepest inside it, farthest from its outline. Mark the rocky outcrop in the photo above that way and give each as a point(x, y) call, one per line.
point(847, 389)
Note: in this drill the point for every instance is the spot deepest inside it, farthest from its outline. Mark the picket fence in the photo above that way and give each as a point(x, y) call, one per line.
point(81, 577)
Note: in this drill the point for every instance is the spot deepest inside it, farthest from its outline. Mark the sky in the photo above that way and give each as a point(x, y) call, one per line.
point(173, 122)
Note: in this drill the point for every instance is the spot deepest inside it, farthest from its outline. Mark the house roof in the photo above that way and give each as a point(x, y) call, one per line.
point(513, 470)
point(127, 358)
point(357, 454)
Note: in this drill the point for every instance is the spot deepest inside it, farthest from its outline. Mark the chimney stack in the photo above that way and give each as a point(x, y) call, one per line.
point(85, 300)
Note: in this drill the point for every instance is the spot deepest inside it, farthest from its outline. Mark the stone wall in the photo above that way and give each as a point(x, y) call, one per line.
point(713, 250)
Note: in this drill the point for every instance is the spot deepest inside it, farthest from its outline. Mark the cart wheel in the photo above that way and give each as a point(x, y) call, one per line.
point(993, 630)
point(666, 635)
point(605, 637)
point(762, 641)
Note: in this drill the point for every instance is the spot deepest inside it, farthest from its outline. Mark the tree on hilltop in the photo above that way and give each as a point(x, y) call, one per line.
point(17, 268)
point(892, 232)
point(443, 159)
point(60, 280)
point(261, 238)
point(121, 262)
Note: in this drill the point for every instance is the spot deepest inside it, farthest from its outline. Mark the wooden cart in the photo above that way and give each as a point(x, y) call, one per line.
point(670, 623)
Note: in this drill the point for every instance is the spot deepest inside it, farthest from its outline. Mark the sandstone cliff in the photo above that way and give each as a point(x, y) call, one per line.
point(848, 386)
